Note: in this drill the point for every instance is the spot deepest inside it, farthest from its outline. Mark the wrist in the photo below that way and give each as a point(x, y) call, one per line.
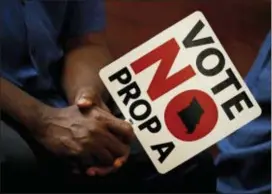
point(37, 121)
point(27, 110)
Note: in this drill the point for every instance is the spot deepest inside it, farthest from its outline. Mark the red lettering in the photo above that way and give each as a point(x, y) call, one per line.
point(160, 83)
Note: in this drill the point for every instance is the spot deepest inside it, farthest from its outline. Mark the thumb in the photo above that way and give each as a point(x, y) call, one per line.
point(86, 98)
point(84, 101)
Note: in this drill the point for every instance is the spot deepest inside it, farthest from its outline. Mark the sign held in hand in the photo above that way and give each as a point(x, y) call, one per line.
point(181, 91)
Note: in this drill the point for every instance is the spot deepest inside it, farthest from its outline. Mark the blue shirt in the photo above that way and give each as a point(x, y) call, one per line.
point(244, 165)
point(32, 35)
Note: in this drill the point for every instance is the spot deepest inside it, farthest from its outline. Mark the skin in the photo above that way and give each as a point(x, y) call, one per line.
point(84, 131)
point(88, 88)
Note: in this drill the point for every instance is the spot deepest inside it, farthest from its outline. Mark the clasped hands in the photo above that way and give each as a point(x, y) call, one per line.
point(87, 133)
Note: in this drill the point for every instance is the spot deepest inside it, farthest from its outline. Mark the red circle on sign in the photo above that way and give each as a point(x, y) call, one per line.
point(191, 115)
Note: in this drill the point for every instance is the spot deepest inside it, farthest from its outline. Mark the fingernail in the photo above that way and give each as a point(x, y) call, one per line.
point(118, 163)
point(84, 101)
point(91, 172)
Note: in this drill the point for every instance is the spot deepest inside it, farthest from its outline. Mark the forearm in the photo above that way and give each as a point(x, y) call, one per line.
point(20, 105)
point(81, 70)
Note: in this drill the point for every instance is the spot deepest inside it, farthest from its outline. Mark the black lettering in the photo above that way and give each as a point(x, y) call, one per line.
point(189, 40)
point(131, 91)
point(153, 125)
point(235, 101)
point(217, 69)
point(123, 76)
point(164, 150)
point(144, 114)
point(226, 83)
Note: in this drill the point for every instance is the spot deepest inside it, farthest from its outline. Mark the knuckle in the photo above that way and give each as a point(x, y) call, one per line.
point(84, 140)
point(80, 149)
point(123, 152)
point(97, 115)
point(77, 151)
point(81, 133)
point(94, 132)
point(128, 127)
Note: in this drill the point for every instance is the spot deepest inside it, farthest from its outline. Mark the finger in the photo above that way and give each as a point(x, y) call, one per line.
point(100, 171)
point(104, 107)
point(71, 146)
point(85, 160)
point(115, 146)
point(120, 128)
point(84, 101)
point(104, 157)
point(120, 161)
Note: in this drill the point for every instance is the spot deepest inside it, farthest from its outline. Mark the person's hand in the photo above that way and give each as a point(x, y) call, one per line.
point(86, 97)
point(84, 100)
point(88, 138)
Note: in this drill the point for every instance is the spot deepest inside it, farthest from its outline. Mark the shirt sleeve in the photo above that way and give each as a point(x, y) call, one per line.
point(84, 16)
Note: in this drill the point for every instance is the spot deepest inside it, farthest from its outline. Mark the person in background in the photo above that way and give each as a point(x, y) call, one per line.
point(244, 162)
point(57, 131)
